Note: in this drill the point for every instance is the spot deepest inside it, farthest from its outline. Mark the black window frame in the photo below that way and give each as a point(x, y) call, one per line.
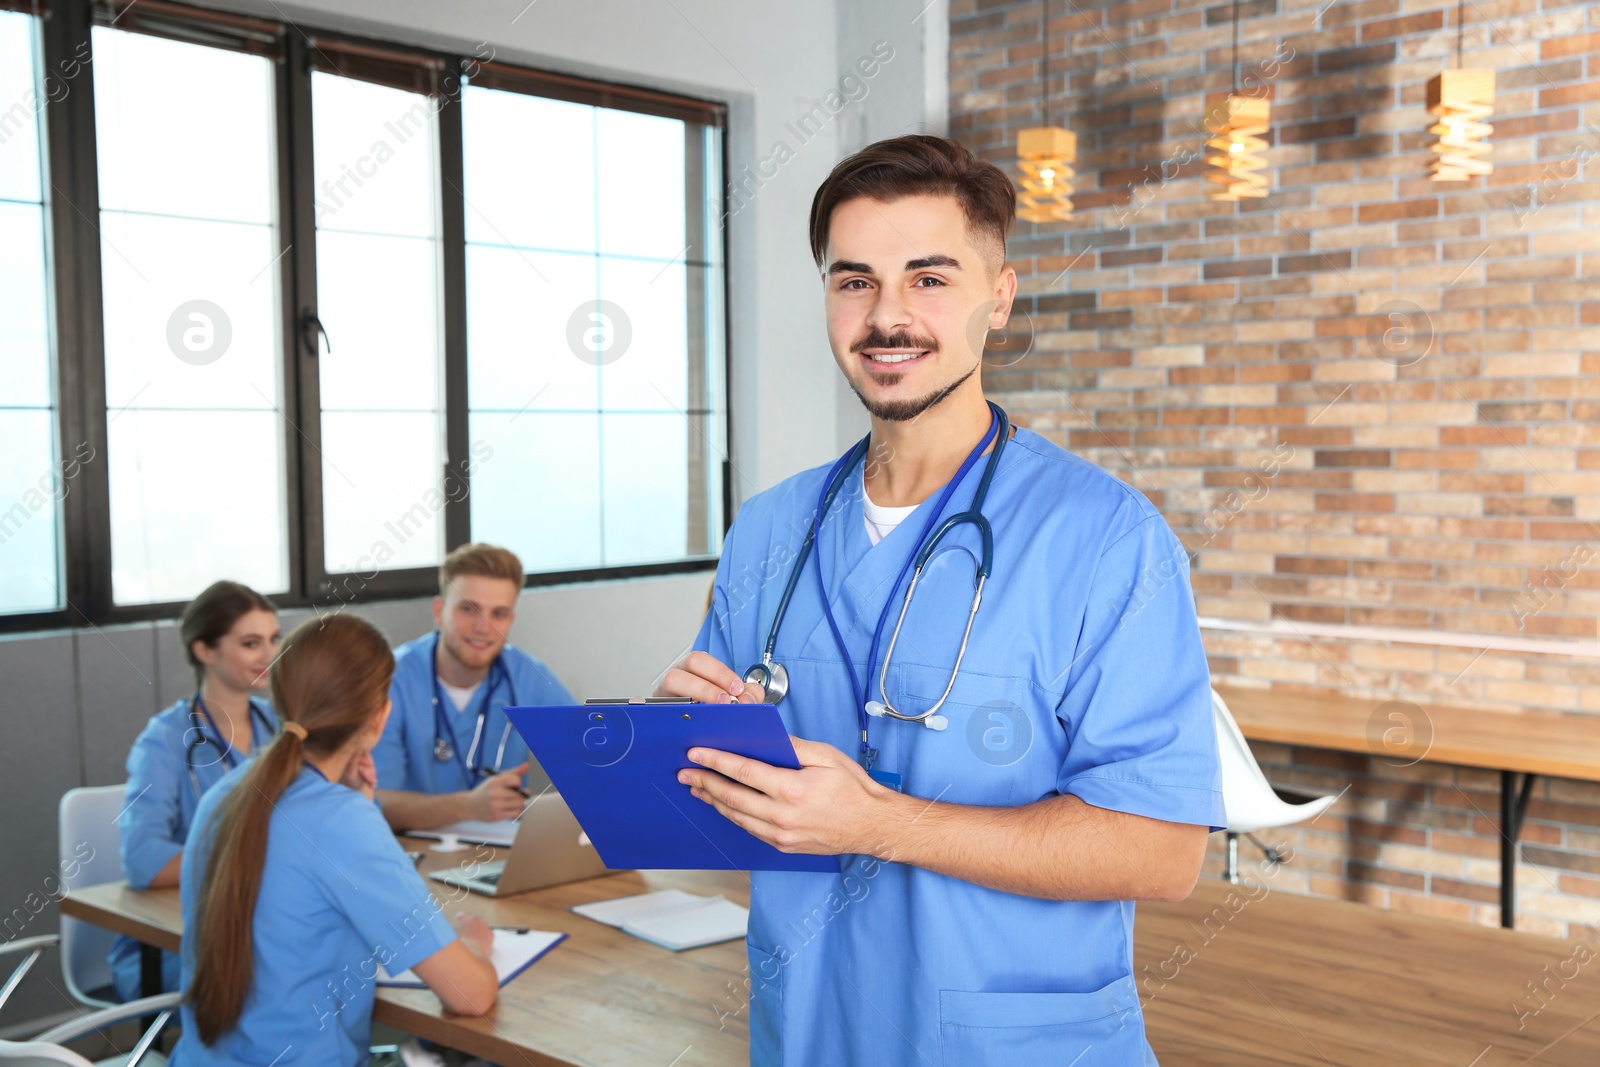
point(74, 267)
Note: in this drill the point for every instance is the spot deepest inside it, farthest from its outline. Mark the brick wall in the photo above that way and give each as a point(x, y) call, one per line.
point(1369, 404)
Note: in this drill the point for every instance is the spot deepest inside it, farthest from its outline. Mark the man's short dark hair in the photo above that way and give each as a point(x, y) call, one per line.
point(920, 165)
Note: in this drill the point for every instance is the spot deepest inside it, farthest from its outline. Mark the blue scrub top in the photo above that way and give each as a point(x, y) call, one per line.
point(1084, 675)
point(339, 899)
point(160, 805)
point(405, 754)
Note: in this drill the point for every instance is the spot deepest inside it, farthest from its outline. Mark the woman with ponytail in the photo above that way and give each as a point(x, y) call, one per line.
point(294, 889)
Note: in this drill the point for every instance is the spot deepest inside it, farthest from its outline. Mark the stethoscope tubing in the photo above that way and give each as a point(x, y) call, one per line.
point(999, 430)
point(197, 708)
point(442, 721)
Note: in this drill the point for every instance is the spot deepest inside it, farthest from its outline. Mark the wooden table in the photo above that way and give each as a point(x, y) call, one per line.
point(599, 997)
point(1294, 981)
point(1264, 979)
point(1521, 746)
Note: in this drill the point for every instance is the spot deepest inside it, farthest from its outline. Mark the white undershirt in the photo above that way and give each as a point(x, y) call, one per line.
point(460, 696)
point(880, 520)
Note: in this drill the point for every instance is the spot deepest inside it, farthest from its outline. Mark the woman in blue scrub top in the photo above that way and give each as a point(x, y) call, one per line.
point(294, 889)
point(983, 908)
point(230, 634)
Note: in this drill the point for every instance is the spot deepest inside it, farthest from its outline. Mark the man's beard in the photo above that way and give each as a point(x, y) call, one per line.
point(901, 410)
point(906, 410)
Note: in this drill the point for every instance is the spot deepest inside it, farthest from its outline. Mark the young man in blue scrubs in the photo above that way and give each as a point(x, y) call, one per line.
point(448, 752)
point(983, 910)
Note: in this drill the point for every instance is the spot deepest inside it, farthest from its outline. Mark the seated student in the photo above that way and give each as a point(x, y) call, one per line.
point(295, 891)
point(230, 634)
point(449, 752)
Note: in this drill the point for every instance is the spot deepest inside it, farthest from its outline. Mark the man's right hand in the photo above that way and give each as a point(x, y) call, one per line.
point(499, 796)
point(701, 677)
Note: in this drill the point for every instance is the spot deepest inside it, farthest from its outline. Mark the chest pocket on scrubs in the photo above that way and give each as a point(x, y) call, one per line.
point(995, 751)
point(1099, 1029)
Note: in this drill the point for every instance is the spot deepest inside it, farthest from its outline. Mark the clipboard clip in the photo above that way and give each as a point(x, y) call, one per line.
point(639, 700)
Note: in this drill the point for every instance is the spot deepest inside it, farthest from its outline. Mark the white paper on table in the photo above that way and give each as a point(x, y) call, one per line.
point(672, 918)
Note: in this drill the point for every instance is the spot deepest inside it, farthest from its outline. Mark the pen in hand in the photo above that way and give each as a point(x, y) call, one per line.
point(484, 772)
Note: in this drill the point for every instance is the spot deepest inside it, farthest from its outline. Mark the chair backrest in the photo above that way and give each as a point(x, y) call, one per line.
point(39, 1054)
point(89, 843)
point(1245, 789)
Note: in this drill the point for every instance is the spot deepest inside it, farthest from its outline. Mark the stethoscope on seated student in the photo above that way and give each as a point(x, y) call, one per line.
point(225, 750)
point(772, 675)
point(447, 748)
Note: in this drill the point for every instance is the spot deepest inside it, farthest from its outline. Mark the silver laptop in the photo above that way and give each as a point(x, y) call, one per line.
point(550, 848)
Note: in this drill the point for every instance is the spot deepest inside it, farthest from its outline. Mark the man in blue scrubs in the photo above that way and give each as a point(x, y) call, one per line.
point(983, 910)
point(448, 752)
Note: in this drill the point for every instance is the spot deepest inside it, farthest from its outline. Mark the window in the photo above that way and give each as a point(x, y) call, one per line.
point(33, 476)
point(382, 373)
point(588, 376)
point(341, 305)
point(194, 397)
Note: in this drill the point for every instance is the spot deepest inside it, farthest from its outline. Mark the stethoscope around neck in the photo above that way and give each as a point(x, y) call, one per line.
point(229, 755)
point(772, 676)
point(445, 745)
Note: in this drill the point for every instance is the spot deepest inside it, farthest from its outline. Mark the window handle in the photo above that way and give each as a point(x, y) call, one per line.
point(311, 331)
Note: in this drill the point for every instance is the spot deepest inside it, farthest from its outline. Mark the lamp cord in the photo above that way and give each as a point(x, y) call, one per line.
point(1235, 47)
point(1044, 37)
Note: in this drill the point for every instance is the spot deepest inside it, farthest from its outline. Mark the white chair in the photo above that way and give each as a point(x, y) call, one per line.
point(88, 827)
point(1247, 796)
point(48, 1049)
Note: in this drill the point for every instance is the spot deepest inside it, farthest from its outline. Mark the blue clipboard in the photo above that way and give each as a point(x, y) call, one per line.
point(616, 766)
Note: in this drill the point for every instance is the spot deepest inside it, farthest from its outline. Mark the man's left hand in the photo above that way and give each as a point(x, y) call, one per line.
point(828, 807)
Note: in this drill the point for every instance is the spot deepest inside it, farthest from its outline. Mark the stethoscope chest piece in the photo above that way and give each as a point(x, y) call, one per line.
point(772, 677)
point(442, 750)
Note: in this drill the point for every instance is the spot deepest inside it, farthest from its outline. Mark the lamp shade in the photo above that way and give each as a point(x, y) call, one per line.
point(1235, 157)
point(1045, 155)
point(1461, 99)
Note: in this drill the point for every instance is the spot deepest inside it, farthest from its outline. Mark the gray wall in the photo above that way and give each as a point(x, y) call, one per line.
point(72, 702)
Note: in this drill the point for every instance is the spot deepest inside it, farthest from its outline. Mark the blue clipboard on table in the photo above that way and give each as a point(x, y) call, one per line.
point(616, 765)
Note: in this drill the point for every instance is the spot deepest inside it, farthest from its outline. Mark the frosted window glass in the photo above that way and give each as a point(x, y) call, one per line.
point(520, 308)
point(190, 268)
point(375, 156)
point(652, 373)
point(578, 333)
point(378, 286)
point(22, 100)
point(378, 299)
point(537, 489)
point(195, 496)
point(24, 311)
point(32, 485)
point(32, 480)
point(641, 176)
point(646, 472)
point(183, 129)
point(530, 171)
point(382, 505)
point(191, 313)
